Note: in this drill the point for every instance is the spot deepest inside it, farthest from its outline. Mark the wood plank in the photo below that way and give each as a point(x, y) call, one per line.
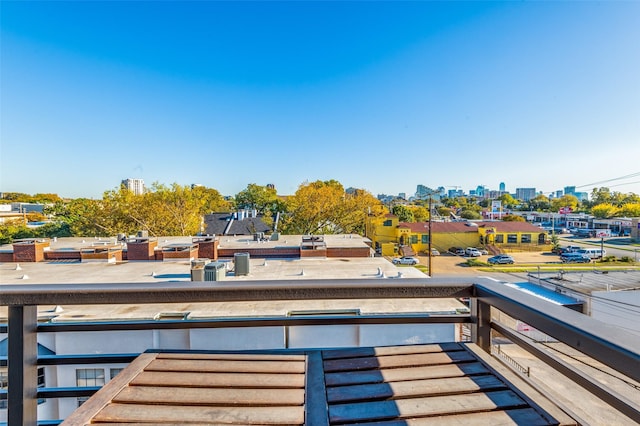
point(209, 396)
point(231, 356)
point(397, 361)
point(400, 374)
point(517, 417)
point(414, 388)
point(429, 406)
point(227, 366)
point(212, 380)
point(100, 399)
point(390, 350)
point(204, 415)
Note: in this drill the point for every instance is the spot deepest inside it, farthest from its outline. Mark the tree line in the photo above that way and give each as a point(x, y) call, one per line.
point(320, 207)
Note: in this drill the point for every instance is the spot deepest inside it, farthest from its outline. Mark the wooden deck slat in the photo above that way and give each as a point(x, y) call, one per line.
point(213, 380)
point(401, 374)
point(231, 356)
point(429, 406)
point(390, 350)
point(208, 396)
point(226, 366)
point(517, 417)
point(396, 361)
point(204, 415)
point(413, 388)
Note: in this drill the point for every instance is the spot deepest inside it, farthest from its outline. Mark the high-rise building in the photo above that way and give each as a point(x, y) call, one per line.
point(502, 187)
point(134, 185)
point(525, 194)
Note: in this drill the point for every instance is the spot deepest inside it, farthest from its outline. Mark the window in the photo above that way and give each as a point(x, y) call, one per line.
point(114, 372)
point(525, 238)
point(425, 238)
point(89, 377)
point(499, 238)
point(512, 238)
point(4, 379)
point(387, 222)
point(41, 383)
point(414, 239)
point(82, 400)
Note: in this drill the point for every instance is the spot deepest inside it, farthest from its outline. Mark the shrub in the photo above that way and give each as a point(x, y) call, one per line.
point(609, 259)
point(626, 259)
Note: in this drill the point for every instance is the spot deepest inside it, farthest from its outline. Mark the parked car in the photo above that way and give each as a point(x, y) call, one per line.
point(405, 260)
point(472, 252)
point(481, 250)
point(435, 252)
point(572, 249)
point(574, 258)
point(458, 251)
point(500, 259)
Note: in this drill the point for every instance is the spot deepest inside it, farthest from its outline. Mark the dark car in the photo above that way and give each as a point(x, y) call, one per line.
point(574, 258)
point(458, 251)
point(501, 259)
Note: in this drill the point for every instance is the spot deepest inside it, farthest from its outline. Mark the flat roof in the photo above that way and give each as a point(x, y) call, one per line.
point(259, 269)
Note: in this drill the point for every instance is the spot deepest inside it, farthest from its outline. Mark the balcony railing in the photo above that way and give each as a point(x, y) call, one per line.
point(605, 343)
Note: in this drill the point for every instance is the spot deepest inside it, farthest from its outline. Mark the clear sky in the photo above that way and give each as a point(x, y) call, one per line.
point(377, 95)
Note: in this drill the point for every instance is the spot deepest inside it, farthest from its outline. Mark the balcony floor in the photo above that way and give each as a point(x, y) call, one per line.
point(439, 384)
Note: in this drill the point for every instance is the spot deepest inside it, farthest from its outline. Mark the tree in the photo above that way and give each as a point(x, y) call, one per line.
point(323, 207)
point(604, 210)
point(513, 218)
point(470, 214)
point(630, 210)
point(540, 203)
point(565, 201)
point(508, 202)
point(262, 198)
point(404, 213)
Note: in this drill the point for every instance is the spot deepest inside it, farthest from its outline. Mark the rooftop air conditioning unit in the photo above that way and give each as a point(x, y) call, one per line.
point(241, 261)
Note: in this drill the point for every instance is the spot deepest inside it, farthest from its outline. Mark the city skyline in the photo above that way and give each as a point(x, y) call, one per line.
point(381, 96)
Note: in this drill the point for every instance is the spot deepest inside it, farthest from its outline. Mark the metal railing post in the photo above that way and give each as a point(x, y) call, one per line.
point(23, 368)
point(481, 324)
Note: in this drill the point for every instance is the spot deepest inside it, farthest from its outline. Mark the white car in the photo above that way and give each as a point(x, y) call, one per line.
point(405, 260)
point(473, 252)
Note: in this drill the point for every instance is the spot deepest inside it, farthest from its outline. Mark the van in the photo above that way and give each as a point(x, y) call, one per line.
point(592, 253)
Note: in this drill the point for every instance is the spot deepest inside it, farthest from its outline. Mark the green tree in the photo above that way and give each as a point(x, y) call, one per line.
point(508, 202)
point(539, 203)
point(404, 213)
point(261, 198)
point(470, 214)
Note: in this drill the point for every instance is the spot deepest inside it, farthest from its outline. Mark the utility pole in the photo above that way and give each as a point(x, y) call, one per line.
point(429, 234)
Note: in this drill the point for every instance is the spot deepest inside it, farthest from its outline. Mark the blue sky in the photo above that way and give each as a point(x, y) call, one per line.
point(377, 95)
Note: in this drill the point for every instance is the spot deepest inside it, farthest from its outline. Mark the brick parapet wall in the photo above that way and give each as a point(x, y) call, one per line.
point(349, 252)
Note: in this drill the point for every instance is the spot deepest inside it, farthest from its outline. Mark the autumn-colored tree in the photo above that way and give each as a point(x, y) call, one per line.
point(604, 210)
point(513, 218)
point(323, 207)
point(630, 210)
point(564, 201)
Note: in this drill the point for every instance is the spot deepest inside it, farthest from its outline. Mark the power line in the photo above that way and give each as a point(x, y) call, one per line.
point(632, 175)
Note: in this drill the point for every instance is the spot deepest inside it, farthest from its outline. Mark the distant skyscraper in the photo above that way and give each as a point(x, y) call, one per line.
point(502, 187)
point(134, 185)
point(525, 194)
point(569, 190)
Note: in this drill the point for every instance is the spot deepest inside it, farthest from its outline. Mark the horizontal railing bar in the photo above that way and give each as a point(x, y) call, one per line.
point(68, 392)
point(608, 395)
point(220, 291)
point(408, 318)
point(603, 342)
